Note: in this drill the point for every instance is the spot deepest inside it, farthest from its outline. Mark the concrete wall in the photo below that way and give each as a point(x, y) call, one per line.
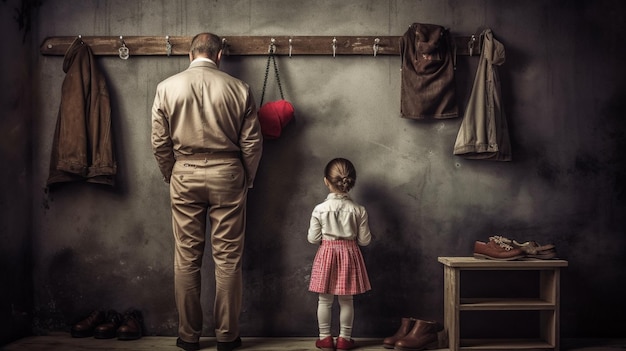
point(16, 117)
point(563, 86)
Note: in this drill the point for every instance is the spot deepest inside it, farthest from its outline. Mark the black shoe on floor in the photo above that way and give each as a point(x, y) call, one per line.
point(187, 346)
point(228, 346)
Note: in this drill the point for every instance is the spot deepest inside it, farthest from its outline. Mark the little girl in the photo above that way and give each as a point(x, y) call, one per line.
point(338, 224)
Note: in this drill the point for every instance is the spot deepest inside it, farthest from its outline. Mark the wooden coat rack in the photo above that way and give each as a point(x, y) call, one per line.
point(245, 45)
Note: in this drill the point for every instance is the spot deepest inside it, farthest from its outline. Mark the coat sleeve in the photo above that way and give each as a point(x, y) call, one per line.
point(251, 140)
point(162, 146)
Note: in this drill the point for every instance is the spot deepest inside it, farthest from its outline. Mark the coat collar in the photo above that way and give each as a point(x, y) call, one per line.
point(202, 62)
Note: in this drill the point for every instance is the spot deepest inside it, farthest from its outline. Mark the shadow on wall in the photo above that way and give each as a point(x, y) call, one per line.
point(269, 276)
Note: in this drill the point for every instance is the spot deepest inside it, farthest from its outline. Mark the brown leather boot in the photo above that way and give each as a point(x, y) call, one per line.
point(132, 326)
point(108, 328)
point(405, 328)
point(86, 327)
point(423, 335)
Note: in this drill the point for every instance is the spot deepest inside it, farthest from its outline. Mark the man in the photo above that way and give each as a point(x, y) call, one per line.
point(207, 142)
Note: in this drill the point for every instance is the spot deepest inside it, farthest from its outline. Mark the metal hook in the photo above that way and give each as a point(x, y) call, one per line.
point(334, 46)
point(168, 45)
point(123, 50)
point(375, 47)
point(272, 47)
point(470, 44)
point(290, 47)
point(224, 46)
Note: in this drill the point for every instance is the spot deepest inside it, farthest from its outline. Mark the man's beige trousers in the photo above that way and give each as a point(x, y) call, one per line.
point(213, 190)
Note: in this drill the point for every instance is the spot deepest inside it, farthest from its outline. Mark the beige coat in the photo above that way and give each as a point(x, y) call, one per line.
point(484, 133)
point(205, 110)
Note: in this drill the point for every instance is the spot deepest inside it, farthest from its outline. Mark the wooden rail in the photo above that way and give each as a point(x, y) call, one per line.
point(243, 45)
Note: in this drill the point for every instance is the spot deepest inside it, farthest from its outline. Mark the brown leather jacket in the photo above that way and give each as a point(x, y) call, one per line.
point(82, 149)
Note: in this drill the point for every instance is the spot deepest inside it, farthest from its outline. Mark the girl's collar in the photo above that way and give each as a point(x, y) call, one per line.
point(338, 196)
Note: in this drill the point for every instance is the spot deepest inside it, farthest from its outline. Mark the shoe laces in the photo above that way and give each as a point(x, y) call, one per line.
point(502, 242)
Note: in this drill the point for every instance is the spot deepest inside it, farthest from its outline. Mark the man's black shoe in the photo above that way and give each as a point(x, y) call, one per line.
point(187, 346)
point(228, 346)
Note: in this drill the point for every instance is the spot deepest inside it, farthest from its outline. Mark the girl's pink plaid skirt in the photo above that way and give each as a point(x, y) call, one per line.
point(339, 269)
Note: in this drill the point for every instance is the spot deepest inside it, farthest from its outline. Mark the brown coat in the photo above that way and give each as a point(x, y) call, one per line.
point(82, 149)
point(428, 88)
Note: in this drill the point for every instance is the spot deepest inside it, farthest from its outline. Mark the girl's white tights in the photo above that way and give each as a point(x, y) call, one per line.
point(346, 315)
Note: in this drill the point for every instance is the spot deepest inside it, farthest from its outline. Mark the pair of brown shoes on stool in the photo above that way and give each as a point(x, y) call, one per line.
point(413, 335)
point(504, 249)
point(108, 325)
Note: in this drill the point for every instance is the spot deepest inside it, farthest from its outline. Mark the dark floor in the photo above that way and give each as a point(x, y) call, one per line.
point(63, 342)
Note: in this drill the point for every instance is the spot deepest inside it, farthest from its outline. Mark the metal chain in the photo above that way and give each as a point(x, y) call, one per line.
point(267, 71)
point(280, 87)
